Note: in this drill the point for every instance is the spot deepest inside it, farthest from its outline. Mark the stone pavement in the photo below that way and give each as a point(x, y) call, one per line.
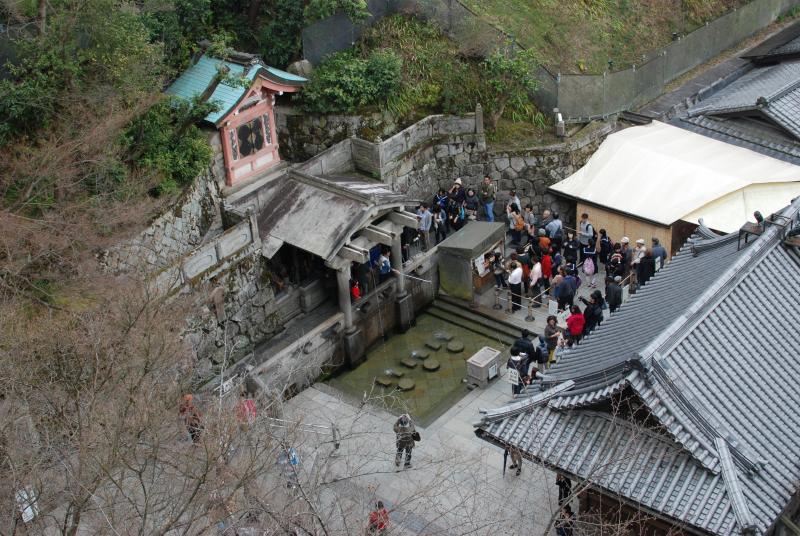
point(456, 484)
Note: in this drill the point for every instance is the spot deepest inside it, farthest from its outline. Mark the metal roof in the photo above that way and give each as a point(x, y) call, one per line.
point(319, 215)
point(717, 374)
point(196, 78)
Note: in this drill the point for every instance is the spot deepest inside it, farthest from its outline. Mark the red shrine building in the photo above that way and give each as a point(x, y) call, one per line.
point(246, 118)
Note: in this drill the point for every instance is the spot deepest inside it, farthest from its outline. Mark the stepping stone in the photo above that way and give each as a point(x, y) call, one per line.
point(443, 336)
point(455, 347)
point(433, 345)
point(421, 354)
point(384, 381)
point(406, 384)
point(430, 365)
point(409, 362)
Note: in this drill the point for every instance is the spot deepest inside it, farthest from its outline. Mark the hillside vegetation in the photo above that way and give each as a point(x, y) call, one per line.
point(574, 36)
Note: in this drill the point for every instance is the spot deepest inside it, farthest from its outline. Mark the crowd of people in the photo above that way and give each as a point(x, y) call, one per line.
point(549, 261)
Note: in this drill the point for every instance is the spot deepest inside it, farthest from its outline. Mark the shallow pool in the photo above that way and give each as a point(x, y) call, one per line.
point(434, 391)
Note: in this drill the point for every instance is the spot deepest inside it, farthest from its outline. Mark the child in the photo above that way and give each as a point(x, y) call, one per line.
point(575, 324)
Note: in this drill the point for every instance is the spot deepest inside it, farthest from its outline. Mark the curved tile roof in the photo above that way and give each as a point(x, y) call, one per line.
point(717, 373)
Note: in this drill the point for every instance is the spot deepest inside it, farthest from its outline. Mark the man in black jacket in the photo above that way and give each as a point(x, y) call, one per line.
point(524, 344)
point(614, 294)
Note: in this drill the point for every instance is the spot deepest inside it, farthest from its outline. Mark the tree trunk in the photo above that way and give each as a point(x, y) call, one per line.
point(42, 16)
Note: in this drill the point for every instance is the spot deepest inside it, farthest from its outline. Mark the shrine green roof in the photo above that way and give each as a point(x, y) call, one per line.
point(196, 78)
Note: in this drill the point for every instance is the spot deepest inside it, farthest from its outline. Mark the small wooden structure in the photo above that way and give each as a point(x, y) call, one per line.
point(245, 92)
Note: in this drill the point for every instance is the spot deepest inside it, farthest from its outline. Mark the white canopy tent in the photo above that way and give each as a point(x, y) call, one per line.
point(663, 174)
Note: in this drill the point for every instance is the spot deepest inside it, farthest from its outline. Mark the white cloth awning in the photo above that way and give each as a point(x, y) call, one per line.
point(663, 173)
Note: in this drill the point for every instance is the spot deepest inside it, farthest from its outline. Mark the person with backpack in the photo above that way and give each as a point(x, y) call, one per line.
point(616, 262)
point(590, 265)
point(516, 223)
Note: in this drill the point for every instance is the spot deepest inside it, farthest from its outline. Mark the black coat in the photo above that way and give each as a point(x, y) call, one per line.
point(645, 270)
point(613, 296)
point(524, 344)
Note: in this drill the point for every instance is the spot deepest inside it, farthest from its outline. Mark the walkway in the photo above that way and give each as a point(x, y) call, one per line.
point(456, 485)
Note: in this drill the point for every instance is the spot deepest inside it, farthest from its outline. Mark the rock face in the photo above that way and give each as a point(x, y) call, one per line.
point(301, 68)
point(430, 365)
point(455, 347)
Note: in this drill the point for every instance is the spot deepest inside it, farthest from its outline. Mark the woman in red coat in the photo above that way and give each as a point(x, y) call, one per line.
point(575, 324)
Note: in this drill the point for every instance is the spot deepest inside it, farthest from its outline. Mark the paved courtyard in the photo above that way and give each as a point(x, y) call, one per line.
point(455, 486)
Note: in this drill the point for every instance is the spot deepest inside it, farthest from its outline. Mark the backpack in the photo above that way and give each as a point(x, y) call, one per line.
point(544, 352)
point(559, 234)
point(519, 223)
point(588, 266)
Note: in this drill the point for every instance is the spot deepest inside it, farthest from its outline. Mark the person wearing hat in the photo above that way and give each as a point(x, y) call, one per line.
point(614, 293)
point(636, 257)
point(457, 192)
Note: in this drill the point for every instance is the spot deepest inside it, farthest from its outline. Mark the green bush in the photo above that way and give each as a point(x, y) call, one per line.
point(346, 82)
point(356, 10)
point(160, 142)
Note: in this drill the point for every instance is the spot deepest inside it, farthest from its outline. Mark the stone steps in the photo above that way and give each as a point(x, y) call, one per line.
point(496, 331)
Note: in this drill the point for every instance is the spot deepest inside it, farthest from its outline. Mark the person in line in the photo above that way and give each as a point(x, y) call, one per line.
point(606, 249)
point(513, 201)
point(614, 293)
point(659, 253)
point(384, 265)
point(378, 520)
point(457, 193)
point(488, 195)
point(524, 344)
point(519, 362)
point(547, 267)
point(585, 232)
point(636, 257)
point(551, 333)
point(593, 312)
point(516, 223)
point(439, 223)
point(547, 217)
point(515, 284)
point(404, 439)
point(646, 268)
point(555, 230)
point(456, 214)
point(424, 225)
point(616, 262)
point(590, 264)
point(544, 240)
point(627, 255)
point(531, 221)
point(499, 270)
point(571, 248)
point(471, 204)
point(575, 324)
point(536, 281)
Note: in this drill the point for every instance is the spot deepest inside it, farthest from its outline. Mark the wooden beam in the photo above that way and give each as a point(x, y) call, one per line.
point(404, 218)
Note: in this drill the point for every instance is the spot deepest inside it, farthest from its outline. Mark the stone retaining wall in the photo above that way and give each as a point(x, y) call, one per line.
point(171, 235)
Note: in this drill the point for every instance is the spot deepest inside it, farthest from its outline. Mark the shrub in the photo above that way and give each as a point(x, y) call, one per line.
point(345, 82)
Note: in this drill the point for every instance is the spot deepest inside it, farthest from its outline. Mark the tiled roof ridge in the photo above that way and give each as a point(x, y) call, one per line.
point(703, 122)
point(515, 408)
point(781, 92)
point(741, 508)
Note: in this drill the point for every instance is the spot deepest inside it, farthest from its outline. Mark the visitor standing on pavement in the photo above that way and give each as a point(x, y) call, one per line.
point(555, 230)
point(646, 268)
point(636, 257)
point(404, 439)
point(488, 194)
point(590, 264)
point(524, 344)
point(499, 270)
point(439, 223)
point(516, 459)
point(614, 293)
point(616, 262)
point(441, 199)
point(564, 489)
point(551, 333)
point(593, 312)
point(457, 192)
point(531, 221)
point(571, 248)
point(659, 253)
point(513, 200)
point(471, 204)
point(378, 520)
point(515, 284)
point(518, 362)
point(424, 227)
point(585, 232)
point(536, 281)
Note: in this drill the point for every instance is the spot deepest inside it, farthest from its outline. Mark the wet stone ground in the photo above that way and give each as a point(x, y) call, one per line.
point(434, 391)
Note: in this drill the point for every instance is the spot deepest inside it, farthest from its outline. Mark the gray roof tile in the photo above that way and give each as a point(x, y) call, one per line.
point(722, 368)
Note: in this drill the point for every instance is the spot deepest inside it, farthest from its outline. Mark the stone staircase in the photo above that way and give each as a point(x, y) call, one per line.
point(459, 314)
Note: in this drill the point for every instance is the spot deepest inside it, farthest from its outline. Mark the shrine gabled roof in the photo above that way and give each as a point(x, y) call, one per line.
point(717, 377)
point(196, 78)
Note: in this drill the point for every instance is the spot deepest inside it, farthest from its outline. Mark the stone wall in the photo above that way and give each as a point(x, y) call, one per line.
point(172, 234)
point(303, 136)
point(439, 162)
point(236, 311)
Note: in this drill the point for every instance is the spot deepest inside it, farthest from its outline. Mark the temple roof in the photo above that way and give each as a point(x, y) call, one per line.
point(709, 348)
point(320, 215)
point(196, 78)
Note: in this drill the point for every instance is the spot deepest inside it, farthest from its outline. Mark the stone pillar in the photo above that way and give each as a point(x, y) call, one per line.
point(405, 301)
point(353, 339)
point(343, 284)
